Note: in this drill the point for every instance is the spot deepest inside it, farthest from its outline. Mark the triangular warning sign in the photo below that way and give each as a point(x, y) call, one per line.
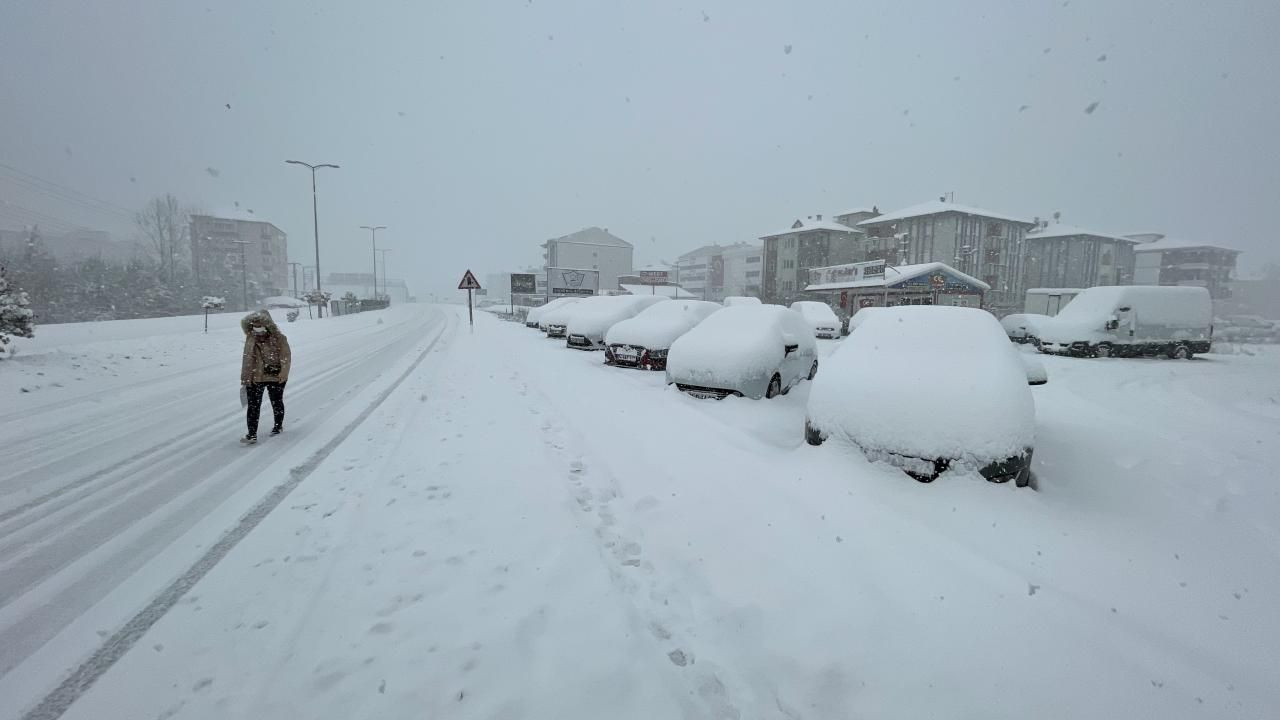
point(469, 282)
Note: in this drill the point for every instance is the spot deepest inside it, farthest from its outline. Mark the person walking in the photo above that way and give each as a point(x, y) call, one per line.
point(264, 368)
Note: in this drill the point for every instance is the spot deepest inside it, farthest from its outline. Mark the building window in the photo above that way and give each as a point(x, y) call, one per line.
point(754, 259)
point(753, 273)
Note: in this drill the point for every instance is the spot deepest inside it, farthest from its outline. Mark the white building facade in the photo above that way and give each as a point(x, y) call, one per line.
point(592, 248)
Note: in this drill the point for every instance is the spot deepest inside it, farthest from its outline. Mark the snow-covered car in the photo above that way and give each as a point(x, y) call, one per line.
point(534, 317)
point(555, 323)
point(757, 351)
point(734, 300)
point(929, 388)
point(644, 340)
point(1023, 327)
point(1246, 328)
point(587, 326)
point(1132, 320)
point(820, 317)
point(856, 320)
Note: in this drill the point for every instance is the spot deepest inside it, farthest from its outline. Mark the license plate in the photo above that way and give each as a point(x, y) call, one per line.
point(626, 354)
point(704, 394)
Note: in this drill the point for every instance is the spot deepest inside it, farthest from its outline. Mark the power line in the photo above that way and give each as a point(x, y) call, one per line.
point(67, 201)
point(54, 188)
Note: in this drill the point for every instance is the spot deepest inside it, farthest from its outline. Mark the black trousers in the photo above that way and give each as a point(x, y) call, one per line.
point(274, 390)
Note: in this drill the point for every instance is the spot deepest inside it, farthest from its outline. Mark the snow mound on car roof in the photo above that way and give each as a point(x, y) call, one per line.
point(736, 343)
point(594, 319)
point(658, 326)
point(927, 382)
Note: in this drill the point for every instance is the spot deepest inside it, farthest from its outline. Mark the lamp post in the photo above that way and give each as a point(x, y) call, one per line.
point(244, 271)
point(384, 252)
point(373, 236)
point(315, 215)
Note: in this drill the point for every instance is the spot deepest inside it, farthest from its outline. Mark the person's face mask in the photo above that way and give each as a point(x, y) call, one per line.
point(259, 331)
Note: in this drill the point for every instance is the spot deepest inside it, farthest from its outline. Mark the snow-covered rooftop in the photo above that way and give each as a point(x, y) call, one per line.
point(1168, 243)
point(897, 274)
point(854, 211)
point(933, 207)
point(809, 225)
point(1057, 230)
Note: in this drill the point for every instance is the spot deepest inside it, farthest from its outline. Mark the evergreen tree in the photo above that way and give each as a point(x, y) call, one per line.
point(16, 317)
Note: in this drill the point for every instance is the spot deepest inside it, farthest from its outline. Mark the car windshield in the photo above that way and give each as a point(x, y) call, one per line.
point(639, 360)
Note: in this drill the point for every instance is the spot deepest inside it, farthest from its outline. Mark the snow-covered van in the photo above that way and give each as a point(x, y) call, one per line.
point(1048, 301)
point(1131, 320)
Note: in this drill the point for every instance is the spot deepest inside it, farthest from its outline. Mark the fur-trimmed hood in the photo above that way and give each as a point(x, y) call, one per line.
point(261, 317)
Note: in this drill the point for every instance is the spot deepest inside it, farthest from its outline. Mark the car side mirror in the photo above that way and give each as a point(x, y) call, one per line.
point(1034, 369)
point(788, 349)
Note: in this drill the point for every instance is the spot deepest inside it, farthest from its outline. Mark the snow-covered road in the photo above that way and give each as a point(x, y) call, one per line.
point(115, 449)
point(521, 532)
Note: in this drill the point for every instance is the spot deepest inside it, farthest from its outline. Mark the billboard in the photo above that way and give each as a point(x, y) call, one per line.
point(850, 273)
point(716, 276)
point(567, 282)
point(654, 277)
point(523, 284)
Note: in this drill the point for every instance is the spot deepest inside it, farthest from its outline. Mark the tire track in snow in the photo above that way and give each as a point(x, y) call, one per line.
point(56, 703)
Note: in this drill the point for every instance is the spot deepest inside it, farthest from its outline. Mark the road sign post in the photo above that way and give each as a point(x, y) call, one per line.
point(469, 283)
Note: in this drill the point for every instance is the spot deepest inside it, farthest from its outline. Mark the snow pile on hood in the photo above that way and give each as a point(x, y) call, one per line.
point(596, 319)
point(927, 382)
point(736, 344)
point(740, 300)
point(817, 314)
point(1086, 316)
point(659, 325)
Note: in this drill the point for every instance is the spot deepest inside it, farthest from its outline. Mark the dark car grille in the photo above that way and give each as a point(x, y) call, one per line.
point(706, 392)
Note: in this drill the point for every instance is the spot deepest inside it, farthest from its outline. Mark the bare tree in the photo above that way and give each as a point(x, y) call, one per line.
point(164, 227)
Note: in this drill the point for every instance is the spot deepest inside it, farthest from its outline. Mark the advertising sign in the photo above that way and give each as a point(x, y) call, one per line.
point(653, 277)
point(523, 284)
point(850, 273)
point(568, 282)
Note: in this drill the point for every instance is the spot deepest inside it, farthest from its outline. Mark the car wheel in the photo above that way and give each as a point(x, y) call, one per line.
point(775, 387)
point(1103, 350)
point(812, 435)
point(1179, 352)
point(939, 466)
point(813, 370)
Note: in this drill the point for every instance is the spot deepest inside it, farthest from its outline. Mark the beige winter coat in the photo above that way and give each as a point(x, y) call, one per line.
point(266, 357)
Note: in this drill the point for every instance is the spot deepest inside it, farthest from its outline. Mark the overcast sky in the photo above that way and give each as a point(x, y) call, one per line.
point(476, 130)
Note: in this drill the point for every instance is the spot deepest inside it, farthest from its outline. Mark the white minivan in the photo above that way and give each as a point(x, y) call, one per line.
point(1132, 320)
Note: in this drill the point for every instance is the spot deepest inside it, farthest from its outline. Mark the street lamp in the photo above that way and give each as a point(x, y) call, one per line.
point(315, 216)
point(244, 271)
point(373, 235)
point(384, 252)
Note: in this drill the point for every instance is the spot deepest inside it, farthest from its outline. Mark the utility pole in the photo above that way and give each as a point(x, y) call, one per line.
point(373, 236)
point(244, 271)
point(315, 215)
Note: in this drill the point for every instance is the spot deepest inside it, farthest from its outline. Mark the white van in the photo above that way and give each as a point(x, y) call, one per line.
point(1132, 320)
point(1048, 301)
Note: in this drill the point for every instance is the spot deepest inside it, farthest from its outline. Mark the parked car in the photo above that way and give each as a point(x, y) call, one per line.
point(748, 350)
point(820, 317)
point(733, 300)
point(1131, 320)
point(534, 317)
point(587, 326)
point(1246, 328)
point(1023, 327)
point(644, 340)
point(856, 320)
point(927, 389)
point(555, 323)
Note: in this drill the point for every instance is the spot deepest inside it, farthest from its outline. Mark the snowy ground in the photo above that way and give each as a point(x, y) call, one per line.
point(518, 531)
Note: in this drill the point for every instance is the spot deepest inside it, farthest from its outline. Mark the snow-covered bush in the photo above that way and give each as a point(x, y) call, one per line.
point(16, 316)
